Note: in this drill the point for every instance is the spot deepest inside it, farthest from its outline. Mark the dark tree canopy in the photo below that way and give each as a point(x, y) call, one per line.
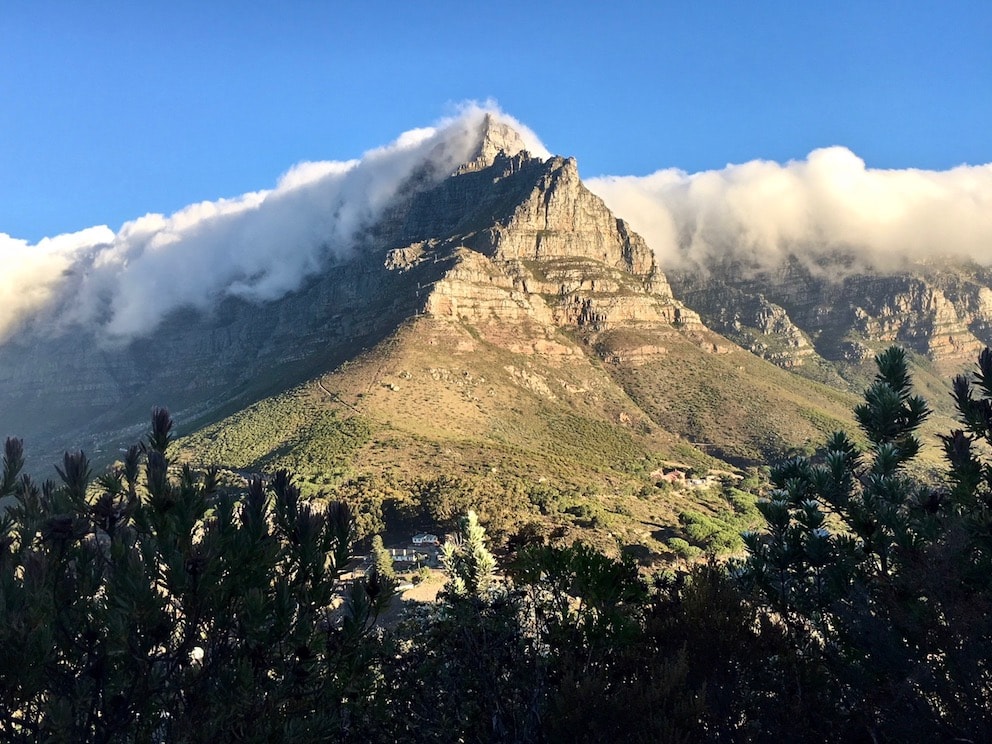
point(148, 604)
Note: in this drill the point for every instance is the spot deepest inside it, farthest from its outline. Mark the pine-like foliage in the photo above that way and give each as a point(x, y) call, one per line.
point(150, 605)
point(883, 581)
point(382, 561)
point(468, 561)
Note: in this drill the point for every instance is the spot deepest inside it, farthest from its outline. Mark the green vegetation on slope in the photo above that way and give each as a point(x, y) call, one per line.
point(438, 420)
point(283, 432)
point(737, 406)
point(149, 604)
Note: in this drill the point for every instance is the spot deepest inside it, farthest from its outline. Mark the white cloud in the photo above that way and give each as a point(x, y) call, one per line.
point(761, 211)
point(32, 275)
point(261, 245)
point(257, 246)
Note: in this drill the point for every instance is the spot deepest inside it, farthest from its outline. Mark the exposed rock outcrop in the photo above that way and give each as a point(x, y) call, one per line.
point(560, 218)
point(509, 243)
point(524, 242)
point(495, 138)
point(789, 315)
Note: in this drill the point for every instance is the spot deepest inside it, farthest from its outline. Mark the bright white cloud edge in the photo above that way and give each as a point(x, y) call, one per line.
point(261, 245)
point(762, 211)
point(257, 246)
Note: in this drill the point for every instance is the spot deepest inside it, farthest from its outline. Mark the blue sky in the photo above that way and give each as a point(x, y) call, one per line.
point(112, 110)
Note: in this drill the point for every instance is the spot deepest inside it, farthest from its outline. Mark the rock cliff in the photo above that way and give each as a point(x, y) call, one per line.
point(510, 238)
point(512, 244)
point(794, 314)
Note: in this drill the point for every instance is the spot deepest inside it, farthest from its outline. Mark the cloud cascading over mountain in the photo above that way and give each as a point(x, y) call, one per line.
point(257, 246)
point(262, 245)
point(761, 211)
point(32, 274)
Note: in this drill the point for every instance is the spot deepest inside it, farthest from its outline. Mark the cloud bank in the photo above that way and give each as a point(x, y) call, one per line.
point(261, 245)
point(760, 212)
point(258, 246)
point(32, 274)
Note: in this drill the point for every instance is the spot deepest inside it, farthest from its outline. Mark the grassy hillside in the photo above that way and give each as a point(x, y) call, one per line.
point(436, 420)
point(542, 442)
point(737, 406)
point(543, 432)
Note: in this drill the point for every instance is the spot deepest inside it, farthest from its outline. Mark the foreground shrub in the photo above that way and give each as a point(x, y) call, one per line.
point(147, 605)
point(884, 582)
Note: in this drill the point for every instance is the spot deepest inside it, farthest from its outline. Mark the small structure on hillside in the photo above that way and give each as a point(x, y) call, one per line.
point(403, 555)
point(672, 476)
point(425, 538)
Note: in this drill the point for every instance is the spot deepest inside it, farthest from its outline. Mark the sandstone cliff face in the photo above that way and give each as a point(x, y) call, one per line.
point(495, 138)
point(512, 245)
point(788, 315)
point(479, 290)
point(753, 321)
point(525, 243)
point(560, 218)
point(558, 258)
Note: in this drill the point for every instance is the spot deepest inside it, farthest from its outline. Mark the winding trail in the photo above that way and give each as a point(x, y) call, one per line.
point(335, 397)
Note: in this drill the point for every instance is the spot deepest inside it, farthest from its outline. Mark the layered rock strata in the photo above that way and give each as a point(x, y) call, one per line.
point(511, 243)
point(942, 311)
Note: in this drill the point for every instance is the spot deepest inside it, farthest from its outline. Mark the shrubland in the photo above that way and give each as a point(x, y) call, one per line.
point(151, 604)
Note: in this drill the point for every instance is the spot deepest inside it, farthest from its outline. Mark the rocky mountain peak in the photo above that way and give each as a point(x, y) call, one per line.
point(495, 137)
point(511, 244)
point(555, 217)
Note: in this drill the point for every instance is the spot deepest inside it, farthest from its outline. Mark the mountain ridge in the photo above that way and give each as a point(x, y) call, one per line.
point(512, 255)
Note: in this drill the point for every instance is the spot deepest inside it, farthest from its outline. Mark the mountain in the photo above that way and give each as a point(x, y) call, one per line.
point(496, 326)
point(509, 252)
point(537, 341)
point(941, 310)
point(506, 240)
point(826, 320)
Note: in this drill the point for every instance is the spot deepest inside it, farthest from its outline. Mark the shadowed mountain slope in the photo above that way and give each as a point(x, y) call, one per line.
point(506, 271)
point(543, 332)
